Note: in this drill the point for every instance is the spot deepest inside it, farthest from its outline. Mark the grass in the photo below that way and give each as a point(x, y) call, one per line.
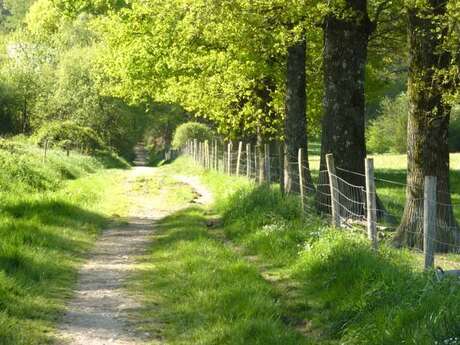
point(50, 214)
point(197, 290)
point(328, 284)
point(166, 192)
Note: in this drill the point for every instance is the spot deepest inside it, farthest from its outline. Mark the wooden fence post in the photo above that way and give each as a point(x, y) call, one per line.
point(238, 162)
point(300, 160)
point(208, 156)
point(334, 187)
point(224, 158)
point(248, 161)
point(267, 163)
point(429, 220)
point(371, 203)
point(213, 155)
point(229, 158)
point(195, 150)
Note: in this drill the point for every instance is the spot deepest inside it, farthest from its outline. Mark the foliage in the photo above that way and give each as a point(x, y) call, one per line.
point(190, 131)
point(70, 136)
point(388, 132)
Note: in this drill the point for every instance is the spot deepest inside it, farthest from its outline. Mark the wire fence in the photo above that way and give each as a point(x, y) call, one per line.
point(349, 199)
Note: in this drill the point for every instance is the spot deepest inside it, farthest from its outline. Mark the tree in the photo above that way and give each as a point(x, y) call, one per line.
point(428, 124)
point(295, 121)
point(347, 30)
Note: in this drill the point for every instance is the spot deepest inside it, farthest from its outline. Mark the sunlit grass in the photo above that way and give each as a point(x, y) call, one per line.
point(333, 287)
point(46, 230)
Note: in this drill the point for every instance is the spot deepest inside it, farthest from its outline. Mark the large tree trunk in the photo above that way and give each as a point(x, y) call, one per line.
point(428, 126)
point(345, 55)
point(295, 124)
point(263, 92)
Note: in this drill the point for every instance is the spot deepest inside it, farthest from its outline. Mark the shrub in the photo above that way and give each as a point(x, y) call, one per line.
point(70, 136)
point(191, 130)
point(388, 132)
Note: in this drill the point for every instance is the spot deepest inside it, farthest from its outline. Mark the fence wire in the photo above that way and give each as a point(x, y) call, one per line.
point(318, 194)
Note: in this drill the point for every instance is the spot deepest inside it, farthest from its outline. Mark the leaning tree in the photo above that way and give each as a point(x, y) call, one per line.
point(428, 124)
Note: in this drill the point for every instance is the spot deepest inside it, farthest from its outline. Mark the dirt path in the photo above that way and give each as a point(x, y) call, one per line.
point(102, 312)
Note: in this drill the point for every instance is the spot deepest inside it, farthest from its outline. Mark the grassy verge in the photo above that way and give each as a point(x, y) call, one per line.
point(200, 291)
point(331, 284)
point(50, 214)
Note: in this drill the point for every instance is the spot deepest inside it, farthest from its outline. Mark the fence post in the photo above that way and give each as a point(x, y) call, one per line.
point(214, 156)
point(248, 159)
point(195, 150)
point(334, 186)
point(267, 162)
point(238, 162)
point(208, 149)
point(371, 202)
point(300, 161)
point(429, 220)
point(229, 158)
point(224, 158)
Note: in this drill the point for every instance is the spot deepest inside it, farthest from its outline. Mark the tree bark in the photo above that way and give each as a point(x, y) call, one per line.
point(428, 126)
point(343, 128)
point(295, 124)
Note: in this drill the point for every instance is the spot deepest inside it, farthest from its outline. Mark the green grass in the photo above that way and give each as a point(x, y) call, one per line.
point(197, 290)
point(166, 192)
point(50, 214)
point(331, 284)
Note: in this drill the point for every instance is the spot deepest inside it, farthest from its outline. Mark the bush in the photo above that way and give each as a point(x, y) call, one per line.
point(70, 136)
point(191, 130)
point(388, 132)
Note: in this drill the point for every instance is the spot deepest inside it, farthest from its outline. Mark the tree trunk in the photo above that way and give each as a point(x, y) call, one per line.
point(428, 126)
point(260, 167)
point(295, 124)
point(345, 55)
